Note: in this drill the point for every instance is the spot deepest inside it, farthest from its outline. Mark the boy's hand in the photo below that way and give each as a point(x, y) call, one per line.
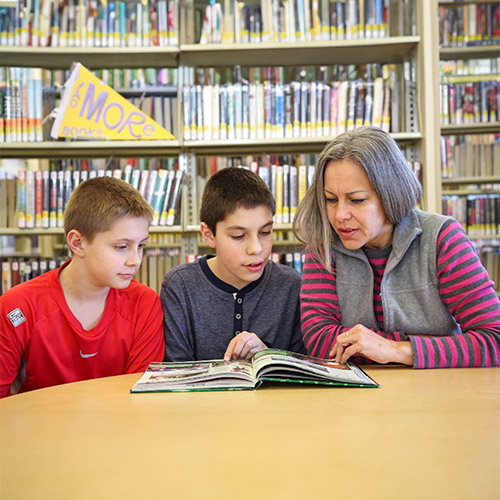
point(243, 346)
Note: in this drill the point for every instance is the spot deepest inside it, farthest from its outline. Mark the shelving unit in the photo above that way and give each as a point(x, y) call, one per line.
point(458, 189)
point(422, 142)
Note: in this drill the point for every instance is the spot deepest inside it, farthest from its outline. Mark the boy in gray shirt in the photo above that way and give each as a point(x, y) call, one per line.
point(237, 302)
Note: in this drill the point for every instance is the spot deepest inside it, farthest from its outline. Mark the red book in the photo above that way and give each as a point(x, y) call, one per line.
point(38, 198)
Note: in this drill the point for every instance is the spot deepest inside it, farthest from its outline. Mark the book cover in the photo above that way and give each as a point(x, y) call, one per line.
point(269, 365)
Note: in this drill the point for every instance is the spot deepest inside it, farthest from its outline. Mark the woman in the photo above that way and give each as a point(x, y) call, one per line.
point(382, 280)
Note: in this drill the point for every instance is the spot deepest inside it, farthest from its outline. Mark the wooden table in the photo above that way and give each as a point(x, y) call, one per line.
point(422, 435)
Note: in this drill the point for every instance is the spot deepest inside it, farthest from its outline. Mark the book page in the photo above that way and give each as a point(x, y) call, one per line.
point(277, 363)
point(195, 375)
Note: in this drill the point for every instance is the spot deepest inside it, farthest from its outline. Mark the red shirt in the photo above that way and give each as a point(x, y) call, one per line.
point(38, 330)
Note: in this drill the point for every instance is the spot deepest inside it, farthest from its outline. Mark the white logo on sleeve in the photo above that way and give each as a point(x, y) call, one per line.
point(16, 317)
point(85, 356)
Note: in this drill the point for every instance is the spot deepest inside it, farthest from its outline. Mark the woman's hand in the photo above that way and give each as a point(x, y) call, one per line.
point(362, 341)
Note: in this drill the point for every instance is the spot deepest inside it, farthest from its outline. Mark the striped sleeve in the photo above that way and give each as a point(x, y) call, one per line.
point(467, 291)
point(321, 318)
point(319, 308)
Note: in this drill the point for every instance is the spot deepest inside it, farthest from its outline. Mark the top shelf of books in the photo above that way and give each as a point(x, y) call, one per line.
point(382, 50)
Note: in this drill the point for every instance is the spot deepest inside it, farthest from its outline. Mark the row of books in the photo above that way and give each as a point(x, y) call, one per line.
point(89, 23)
point(471, 101)
point(37, 199)
point(475, 66)
point(474, 155)
point(294, 20)
point(25, 102)
point(470, 24)
point(479, 214)
point(21, 104)
point(287, 182)
point(248, 110)
point(489, 254)
point(156, 262)
point(19, 270)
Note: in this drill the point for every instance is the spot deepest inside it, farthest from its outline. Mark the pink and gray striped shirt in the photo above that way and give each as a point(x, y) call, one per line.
point(464, 288)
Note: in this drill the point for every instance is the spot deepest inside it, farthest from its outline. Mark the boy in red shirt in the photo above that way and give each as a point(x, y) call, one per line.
point(88, 318)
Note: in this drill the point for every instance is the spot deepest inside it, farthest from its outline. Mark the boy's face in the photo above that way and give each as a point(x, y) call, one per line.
point(243, 243)
point(114, 256)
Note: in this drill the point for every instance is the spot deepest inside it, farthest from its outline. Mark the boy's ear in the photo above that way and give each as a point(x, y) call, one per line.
point(75, 243)
point(207, 235)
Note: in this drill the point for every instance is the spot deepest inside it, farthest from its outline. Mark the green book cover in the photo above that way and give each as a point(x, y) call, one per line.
point(269, 365)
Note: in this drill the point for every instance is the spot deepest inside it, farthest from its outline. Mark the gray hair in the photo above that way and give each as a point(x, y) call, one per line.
point(388, 172)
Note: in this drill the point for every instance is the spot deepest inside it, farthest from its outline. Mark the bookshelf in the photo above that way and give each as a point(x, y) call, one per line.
point(414, 43)
point(469, 54)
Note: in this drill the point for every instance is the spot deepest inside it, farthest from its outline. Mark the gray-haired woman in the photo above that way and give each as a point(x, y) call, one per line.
point(383, 281)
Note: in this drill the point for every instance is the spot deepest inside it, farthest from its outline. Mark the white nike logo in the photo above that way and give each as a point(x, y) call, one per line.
point(84, 356)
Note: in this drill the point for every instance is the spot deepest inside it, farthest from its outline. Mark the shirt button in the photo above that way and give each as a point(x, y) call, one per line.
point(239, 301)
point(238, 316)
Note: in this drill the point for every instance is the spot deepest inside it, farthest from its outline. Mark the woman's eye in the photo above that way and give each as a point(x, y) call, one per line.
point(265, 233)
point(238, 237)
point(358, 201)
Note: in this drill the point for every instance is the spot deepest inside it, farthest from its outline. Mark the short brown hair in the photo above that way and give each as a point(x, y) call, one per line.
point(97, 203)
point(232, 188)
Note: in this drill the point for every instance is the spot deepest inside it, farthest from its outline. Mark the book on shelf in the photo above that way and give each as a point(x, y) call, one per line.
point(469, 24)
point(28, 96)
point(37, 196)
point(470, 155)
point(470, 99)
point(90, 23)
point(269, 365)
point(291, 21)
point(292, 103)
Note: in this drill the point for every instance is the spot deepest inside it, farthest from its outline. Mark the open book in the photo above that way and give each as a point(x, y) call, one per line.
point(268, 365)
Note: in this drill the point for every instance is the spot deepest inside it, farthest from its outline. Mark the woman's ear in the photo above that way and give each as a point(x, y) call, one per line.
point(207, 235)
point(76, 243)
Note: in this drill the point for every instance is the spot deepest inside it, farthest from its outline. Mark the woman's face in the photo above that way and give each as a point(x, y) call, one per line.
point(354, 210)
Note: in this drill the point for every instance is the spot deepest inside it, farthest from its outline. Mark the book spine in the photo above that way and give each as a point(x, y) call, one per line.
point(21, 199)
point(30, 199)
point(46, 198)
point(38, 198)
point(175, 199)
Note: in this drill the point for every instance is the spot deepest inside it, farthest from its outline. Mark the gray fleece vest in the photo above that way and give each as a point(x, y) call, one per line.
point(409, 288)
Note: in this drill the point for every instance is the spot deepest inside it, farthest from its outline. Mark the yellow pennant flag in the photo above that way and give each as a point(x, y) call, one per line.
point(92, 110)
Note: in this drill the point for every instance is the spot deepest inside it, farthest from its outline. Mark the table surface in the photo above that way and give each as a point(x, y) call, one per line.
point(423, 434)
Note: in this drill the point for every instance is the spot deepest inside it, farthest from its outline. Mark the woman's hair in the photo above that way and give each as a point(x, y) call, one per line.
point(387, 169)
point(96, 204)
point(229, 189)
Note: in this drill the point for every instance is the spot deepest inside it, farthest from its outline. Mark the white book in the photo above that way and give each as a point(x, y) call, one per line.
point(238, 110)
point(215, 112)
point(378, 101)
point(342, 104)
point(252, 111)
point(30, 199)
point(279, 194)
point(260, 110)
point(231, 125)
point(207, 112)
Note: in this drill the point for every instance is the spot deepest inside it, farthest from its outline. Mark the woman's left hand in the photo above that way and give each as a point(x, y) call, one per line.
point(362, 341)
